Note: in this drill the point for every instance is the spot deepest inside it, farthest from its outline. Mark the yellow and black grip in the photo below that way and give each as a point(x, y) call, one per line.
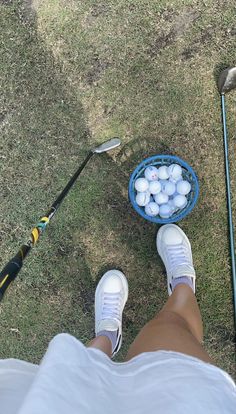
point(9, 273)
point(37, 230)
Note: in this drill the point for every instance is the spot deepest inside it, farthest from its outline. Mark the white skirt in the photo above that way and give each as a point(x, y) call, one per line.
point(73, 379)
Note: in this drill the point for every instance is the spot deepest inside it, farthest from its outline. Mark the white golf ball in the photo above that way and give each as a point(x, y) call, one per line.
point(180, 201)
point(142, 199)
point(163, 172)
point(168, 187)
point(183, 187)
point(154, 187)
point(161, 198)
point(174, 171)
point(141, 184)
point(152, 209)
point(151, 173)
point(165, 211)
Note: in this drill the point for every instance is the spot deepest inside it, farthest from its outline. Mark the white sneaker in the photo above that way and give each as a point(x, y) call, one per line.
point(110, 299)
point(175, 250)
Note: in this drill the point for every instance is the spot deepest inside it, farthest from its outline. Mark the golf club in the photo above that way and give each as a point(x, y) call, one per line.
point(10, 271)
point(227, 82)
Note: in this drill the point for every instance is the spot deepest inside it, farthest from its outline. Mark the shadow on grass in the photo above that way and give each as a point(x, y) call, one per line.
point(43, 128)
point(42, 119)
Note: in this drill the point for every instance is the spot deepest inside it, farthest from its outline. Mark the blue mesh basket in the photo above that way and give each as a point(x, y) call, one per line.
point(188, 174)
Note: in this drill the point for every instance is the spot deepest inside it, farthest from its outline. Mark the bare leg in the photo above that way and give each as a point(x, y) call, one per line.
point(178, 327)
point(103, 344)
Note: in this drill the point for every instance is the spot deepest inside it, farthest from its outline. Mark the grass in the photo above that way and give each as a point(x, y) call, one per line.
point(73, 74)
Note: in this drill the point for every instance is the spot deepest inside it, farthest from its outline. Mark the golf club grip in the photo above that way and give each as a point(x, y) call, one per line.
point(9, 273)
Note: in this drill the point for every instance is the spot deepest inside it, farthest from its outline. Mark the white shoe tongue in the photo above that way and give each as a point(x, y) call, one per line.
point(108, 325)
point(183, 270)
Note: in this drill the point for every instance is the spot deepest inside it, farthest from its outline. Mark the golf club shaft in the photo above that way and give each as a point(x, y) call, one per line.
point(230, 218)
point(67, 188)
point(12, 268)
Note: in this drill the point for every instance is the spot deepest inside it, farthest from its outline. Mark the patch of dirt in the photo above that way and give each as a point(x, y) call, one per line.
point(96, 11)
point(205, 38)
point(195, 47)
point(100, 9)
point(168, 14)
point(184, 21)
point(97, 67)
point(180, 25)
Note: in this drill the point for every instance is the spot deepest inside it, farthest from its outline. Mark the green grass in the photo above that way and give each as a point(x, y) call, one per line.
point(73, 74)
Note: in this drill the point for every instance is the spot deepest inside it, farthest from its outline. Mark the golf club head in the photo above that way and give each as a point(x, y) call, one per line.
point(227, 80)
point(107, 146)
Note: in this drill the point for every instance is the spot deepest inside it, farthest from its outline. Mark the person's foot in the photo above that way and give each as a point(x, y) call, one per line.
point(175, 250)
point(110, 299)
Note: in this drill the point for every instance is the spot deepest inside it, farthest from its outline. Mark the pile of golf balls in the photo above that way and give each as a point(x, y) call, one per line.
point(162, 191)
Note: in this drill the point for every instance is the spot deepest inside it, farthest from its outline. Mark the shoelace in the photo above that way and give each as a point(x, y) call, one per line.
point(111, 306)
point(178, 255)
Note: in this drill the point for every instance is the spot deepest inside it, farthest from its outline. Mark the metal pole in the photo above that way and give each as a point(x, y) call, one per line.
point(230, 218)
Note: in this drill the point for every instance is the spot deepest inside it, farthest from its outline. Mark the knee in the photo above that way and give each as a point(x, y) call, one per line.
point(171, 318)
point(174, 319)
